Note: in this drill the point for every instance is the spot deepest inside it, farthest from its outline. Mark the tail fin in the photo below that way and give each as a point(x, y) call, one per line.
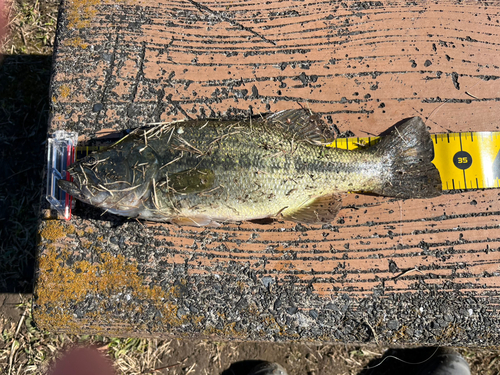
point(408, 154)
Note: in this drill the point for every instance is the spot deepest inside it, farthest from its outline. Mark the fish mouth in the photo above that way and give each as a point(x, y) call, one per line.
point(83, 192)
point(71, 188)
point(102, 197)
point(81, 185)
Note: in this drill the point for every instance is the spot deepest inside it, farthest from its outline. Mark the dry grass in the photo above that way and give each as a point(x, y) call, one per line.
point(137, 356)
point(26, 350)
point(32, 25)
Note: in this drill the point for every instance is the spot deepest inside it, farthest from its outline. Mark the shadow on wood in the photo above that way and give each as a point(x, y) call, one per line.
point(24, 110)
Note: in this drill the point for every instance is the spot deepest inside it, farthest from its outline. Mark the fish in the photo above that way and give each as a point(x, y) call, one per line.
point(278, 166)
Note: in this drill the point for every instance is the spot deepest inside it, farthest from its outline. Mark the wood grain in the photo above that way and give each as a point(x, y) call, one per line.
point(390, 271)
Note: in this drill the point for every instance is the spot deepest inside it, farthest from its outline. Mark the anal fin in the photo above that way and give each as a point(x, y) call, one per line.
point(322, 209)
point(196, 221)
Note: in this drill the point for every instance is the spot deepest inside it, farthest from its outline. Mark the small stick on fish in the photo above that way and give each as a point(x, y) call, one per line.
point(119, 182)
point(261, 172)
point(400, 136)
point(106, 189)
point(158, 123)
point(84, 174)
point(291, 146)
point(282, 152)
point(208, 192)
point(361, 143)
point(170, 136)
point(172, 205)
point(220, 139)
point(189, 145)
point(280, 211)
point(145, 142)
point(96, 162)
point(308, 108)
point(173, 160)
point(117, 202)
point(155, 201)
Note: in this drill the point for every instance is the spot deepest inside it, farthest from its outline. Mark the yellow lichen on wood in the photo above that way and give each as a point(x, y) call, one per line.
point(63, 282)
point(64, 91)
point(76, 42)
point(228, 331)
point(81, 12)
point(54, 230)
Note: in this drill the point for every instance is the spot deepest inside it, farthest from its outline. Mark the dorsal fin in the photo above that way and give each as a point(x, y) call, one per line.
point(302, 124)
point(321, 209)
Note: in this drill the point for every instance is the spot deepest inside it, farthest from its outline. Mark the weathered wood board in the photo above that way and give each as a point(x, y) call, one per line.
point(387, 271)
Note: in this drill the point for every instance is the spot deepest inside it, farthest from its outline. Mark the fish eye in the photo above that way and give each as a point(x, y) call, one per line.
point(91, 161)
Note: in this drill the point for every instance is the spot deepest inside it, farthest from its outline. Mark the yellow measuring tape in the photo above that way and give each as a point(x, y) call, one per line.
point(468, 160)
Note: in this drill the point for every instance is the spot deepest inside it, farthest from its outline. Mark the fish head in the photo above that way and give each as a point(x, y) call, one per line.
point(118, 180)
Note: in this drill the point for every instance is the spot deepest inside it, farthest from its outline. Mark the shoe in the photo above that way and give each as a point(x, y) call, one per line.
point(419, 361)
point(446, 364)
point(268, 368)
point(255, 367)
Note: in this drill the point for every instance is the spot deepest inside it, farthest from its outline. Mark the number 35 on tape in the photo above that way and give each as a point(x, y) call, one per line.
point(468, 160)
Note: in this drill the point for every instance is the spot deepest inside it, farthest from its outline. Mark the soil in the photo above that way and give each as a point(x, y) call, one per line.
point(236, 358)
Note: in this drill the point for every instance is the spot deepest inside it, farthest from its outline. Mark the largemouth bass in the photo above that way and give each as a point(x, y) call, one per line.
point(208, 172)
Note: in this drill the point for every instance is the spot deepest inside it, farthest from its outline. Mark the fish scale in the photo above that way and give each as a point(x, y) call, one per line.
point(260, 183)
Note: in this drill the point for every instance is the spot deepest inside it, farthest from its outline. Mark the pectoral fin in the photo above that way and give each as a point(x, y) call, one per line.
point(321, 209)
point(191, 181)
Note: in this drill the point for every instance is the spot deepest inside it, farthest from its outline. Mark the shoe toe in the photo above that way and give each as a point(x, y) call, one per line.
point(268, 368)
point(447, 364)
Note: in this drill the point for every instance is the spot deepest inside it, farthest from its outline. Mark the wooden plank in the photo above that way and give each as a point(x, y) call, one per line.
point(386, 271)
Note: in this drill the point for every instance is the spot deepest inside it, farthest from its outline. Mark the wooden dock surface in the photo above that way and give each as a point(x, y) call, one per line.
point(386, 271)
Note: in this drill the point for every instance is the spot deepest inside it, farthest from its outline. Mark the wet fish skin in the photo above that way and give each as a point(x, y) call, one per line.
point(207, 172)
